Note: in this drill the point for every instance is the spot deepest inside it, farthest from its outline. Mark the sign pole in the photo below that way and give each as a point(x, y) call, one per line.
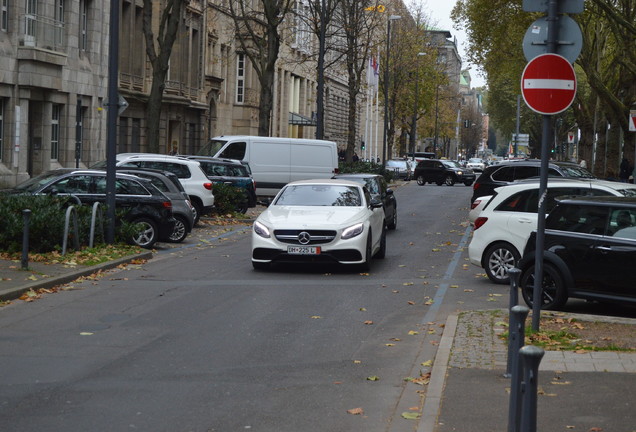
point(543, 180)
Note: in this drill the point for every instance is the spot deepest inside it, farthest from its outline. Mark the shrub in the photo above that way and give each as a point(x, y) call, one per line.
point(46, 223)
point(228, 198)
point(365, 167)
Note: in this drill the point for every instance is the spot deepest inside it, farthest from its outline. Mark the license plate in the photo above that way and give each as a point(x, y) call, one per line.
point(303, 250)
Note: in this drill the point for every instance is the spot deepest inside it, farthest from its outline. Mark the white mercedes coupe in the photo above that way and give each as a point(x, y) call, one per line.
point(323, 220)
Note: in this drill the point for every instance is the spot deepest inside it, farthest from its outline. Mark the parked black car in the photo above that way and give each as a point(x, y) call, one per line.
point(230, 172)
point(441, 171)
point(143, 203)
point(168, 183)
point(590, 251)
point(378, 188)
point(506, 172)
point(400, 168)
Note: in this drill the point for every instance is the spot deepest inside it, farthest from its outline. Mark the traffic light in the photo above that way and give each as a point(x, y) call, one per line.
point(363, 146)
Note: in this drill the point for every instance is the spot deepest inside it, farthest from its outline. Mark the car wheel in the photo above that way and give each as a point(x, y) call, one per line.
point(420, 180)
point(242, 208)
point(468, 183)
point(553, 295)
point(366, 266)
point(198, 211)
point(450, 180)
point(498, 259)
point(180, 231)
point(146, 236)
point(381, 253)
point(393, 222)
point(260, 265)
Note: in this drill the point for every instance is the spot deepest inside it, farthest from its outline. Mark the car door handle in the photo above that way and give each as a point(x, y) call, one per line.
point(524, 220)
point(603, 248)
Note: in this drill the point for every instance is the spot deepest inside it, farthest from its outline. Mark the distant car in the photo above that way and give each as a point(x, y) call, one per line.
point(143, 203)
point(504, 225)
point(230, 172)
point(378, 188)
point(400, 168)
point(441, 171)
point(505, 173)
point(590, 251)
point(169, 184)
point(476, 164)
point(327, 221)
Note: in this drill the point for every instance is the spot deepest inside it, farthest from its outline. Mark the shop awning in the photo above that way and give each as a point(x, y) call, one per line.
point(301, 120)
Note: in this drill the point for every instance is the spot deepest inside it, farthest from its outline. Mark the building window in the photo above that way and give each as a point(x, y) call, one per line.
point(240, 78)
point(55, 131)
point(4, 15)
point(83, 25)
point(30, 18)
point(59, 22)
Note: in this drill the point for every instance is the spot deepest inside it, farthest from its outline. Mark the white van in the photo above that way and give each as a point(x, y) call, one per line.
point(274, 162)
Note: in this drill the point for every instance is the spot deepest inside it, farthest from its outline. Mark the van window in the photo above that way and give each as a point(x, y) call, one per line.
point(235, 150)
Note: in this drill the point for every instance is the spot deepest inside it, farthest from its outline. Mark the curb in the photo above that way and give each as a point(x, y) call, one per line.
point(435, 391)
point(14, 293)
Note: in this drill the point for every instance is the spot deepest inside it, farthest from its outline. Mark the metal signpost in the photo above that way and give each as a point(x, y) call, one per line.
point(548, 87)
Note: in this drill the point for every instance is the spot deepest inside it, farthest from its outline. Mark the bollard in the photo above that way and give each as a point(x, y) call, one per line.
point(514, 274)
point(530, 357)
point(516, 338)
point(26, 215)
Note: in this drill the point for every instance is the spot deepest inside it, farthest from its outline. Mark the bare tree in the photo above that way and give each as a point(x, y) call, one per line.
point(359, 22)
point(257, 31)
point(158, 52)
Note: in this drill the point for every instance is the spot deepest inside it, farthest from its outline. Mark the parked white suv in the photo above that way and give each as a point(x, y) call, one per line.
point(196, 184)
point(505, 223)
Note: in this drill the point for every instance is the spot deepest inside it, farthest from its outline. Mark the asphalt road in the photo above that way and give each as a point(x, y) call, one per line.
point(196, 340)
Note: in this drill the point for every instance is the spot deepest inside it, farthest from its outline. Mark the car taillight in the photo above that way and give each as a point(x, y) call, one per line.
point(336, 170)
point(208, 186)
point(475, 204)
point(167, 204)
point(476, 186)
point(480, 221)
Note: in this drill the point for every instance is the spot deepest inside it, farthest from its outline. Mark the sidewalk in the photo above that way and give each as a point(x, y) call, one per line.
point(591, 391)
point(14, 281)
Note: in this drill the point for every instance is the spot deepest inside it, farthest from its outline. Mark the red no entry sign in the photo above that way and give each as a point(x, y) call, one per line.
point(548, 84)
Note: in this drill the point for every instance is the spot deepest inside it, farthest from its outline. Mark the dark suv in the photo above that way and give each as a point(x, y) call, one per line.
point(441, 171)
point(590, 251)
point(142, 202)
point(506, 172)
point(378, 188)
point(230, 172)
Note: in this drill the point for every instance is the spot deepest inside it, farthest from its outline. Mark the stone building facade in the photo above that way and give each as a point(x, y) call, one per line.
point(53, 77)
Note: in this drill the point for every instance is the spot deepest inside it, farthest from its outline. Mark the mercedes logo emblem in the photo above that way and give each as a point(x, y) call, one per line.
point(304, 238)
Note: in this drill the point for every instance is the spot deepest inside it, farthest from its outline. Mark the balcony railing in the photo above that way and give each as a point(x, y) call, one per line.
point(42, 32)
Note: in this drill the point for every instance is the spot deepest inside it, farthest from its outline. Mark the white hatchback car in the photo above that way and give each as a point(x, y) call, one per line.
point(196, 184)
point(502, 228)
point(323, 220)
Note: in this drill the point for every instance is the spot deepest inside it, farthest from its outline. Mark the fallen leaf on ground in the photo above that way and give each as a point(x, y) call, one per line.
point(356, 411)
point(411, 415)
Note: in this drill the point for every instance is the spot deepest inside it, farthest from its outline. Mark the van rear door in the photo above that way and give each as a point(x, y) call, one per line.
point(313, 160)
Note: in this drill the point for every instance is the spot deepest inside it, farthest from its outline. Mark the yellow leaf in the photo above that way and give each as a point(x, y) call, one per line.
point(373, 378)
point(454, 286)
point(86, 334)
point(428, 363)
point(411, 415)
point(32, 277)
point(363, 309)
point(402, 265)
point(407, 283)
point(428, 302)
point(389, 345)
point(469, 290)
point(413, 332)
point(316, 317)
point(364, 274)
point(357, 362)
point(435, 250)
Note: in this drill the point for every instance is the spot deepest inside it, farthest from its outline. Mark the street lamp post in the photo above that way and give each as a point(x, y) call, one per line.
point(436, 116)
point(386, 86)
point(414, 126)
